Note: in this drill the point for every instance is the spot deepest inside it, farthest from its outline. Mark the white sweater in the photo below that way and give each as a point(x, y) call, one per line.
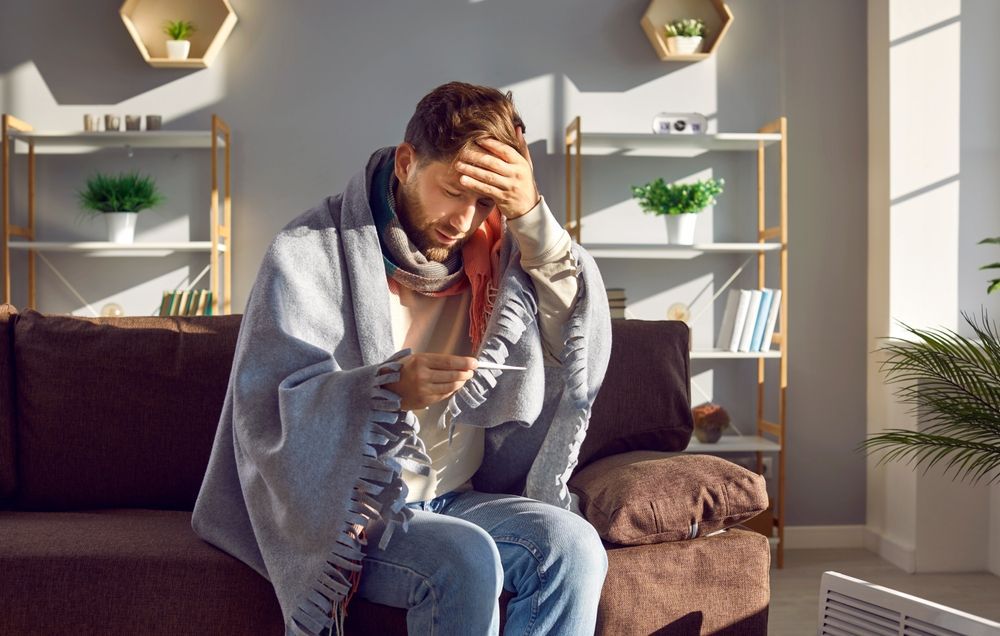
point(429, 324)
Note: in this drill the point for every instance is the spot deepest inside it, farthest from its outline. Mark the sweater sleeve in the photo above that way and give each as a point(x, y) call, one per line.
point(546, 256)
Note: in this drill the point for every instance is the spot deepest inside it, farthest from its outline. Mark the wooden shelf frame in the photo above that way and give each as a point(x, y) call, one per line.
point(771, 240)
point(716, 15)
point(213, 19)
point(220, 246)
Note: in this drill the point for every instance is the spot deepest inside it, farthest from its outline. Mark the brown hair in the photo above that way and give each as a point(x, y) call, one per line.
point(453, 116)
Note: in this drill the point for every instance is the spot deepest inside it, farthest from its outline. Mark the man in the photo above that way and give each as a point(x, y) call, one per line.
point(443, 251)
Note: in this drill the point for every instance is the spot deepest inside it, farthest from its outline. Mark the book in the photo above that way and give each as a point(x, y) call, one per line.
point(741, 317)
point(758, 329)
point(751, 320)
point(728, 319)
point(202, 301)
point(181, 299)
point(168, 298)
point(772, 317)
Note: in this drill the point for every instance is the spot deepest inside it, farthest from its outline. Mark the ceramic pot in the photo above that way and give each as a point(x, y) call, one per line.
point(178, 49)
point(684, 44)
point(680, 228)
point(121, 226)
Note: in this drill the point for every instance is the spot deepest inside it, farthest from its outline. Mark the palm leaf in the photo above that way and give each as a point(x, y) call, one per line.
point(953, 385)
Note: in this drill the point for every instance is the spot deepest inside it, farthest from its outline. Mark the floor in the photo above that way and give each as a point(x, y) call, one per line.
point(795, 588)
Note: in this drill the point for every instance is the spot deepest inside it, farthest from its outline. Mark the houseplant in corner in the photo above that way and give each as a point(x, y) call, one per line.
point(685, 36)
point(954, 383)
point(178, 46)
point(678, 203)
point(119, 199)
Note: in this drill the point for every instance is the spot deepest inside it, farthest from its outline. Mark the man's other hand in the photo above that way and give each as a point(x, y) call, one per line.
point(501, 173)
point(428, 378)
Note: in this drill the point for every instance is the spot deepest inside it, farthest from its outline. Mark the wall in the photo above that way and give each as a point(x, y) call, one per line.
point(312, 88)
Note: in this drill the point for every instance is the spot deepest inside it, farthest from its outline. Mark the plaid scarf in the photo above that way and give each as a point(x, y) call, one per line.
point(477, 263)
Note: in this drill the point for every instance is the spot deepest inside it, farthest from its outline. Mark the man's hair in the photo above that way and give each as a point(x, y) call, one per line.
point(455, 115)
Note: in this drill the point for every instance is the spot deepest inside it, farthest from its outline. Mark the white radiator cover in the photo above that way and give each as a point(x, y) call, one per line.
point(852, 607)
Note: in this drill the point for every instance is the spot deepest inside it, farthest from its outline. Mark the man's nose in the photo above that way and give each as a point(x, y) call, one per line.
point(461, 220)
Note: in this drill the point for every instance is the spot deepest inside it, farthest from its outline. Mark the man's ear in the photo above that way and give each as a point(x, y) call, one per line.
point(406, 161)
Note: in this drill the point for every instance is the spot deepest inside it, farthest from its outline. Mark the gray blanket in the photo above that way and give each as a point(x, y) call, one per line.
point(310, 442)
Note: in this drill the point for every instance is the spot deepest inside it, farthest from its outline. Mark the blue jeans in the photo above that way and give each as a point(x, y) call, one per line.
point(462, 548)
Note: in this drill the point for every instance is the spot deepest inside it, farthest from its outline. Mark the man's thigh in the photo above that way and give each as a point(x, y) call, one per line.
point(412, 562)
point(530, 535)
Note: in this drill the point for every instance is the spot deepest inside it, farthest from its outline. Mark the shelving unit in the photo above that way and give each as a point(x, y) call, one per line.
point(20, 138)
point(213, 19)
point(714, 13)
point(770, 435)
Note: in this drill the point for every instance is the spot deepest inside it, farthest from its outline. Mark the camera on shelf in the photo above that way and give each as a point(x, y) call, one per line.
point(680, 124)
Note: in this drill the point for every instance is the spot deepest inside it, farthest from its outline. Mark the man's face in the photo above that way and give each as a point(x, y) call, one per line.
point(437, 213)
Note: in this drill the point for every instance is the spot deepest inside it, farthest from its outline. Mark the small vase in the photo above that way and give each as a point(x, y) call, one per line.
point(680, 228)
point(684, 44)
point(121, 226)
point(178, 49)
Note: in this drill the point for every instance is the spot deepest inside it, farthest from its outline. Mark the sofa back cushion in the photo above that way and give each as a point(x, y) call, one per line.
point(117, 412)
point(7, 473)
point(645, 400)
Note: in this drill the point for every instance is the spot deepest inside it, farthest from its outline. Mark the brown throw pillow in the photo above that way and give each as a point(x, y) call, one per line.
point(635, 501)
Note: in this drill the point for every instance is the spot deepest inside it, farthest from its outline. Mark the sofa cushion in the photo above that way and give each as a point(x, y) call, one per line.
point(637, 501)
point(117, 412)
point(8, 313)
point(645, 400)
point(125, 572)
point(712, 585)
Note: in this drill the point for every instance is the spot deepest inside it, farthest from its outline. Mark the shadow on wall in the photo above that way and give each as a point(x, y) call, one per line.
point(81, 49)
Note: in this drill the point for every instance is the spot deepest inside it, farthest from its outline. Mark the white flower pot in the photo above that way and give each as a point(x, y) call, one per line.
point(684, 44)
point(121, 226)
point(178, 49)
point(680, 228)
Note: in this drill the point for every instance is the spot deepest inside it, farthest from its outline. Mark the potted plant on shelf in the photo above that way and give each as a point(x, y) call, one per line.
point(178, 46)
point(685, 36)
point(119, 199)
point(678, 203)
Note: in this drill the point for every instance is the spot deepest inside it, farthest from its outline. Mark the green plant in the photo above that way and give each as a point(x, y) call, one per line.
point(179, 29)
point(126, 192)
point(690, 27)
point(995, 283)
point(954, 383)
point(656, 197)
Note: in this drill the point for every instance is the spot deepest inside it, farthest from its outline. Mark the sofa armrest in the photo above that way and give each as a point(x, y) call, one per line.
point(632, 500)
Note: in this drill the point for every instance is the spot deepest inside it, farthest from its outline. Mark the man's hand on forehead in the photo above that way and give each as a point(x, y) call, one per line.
point(500, 172)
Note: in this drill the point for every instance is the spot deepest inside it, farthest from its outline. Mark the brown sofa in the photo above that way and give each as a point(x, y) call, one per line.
point(105, 431)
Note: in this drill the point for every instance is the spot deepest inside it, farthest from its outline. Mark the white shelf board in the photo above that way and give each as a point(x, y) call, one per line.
point(661, 250)
point(734, 444)
point(667, 145)
point(721, 354)
point(104, 248)
point(76, 142)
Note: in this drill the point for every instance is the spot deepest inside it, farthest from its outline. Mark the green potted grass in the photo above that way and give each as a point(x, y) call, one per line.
point(179, 32)
point(119, 199)
point(678, 203)
point(685, 36)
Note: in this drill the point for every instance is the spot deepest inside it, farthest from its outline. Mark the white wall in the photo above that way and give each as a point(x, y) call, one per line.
point(311, 89)
point(932, 182)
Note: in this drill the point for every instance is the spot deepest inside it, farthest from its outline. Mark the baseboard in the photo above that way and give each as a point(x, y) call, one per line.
point(903, 557)
point(811, 537)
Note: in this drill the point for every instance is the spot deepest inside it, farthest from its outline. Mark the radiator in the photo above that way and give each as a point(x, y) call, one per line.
point(852, 607)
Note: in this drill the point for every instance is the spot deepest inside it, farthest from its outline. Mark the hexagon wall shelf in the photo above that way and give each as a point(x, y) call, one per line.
point(715, 14)
point(213, 20)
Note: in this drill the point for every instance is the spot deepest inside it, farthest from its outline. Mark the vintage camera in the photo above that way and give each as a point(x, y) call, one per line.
point(680, 124)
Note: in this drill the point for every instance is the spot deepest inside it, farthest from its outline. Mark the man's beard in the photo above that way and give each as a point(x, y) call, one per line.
point(422, 236)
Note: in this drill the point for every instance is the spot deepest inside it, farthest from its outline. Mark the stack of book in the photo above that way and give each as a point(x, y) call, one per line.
point(748, 320)
point(616, 299)
point(190, 302)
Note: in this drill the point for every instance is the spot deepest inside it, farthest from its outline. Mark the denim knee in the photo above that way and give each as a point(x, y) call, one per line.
point(574, 543)
point(470, 565)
